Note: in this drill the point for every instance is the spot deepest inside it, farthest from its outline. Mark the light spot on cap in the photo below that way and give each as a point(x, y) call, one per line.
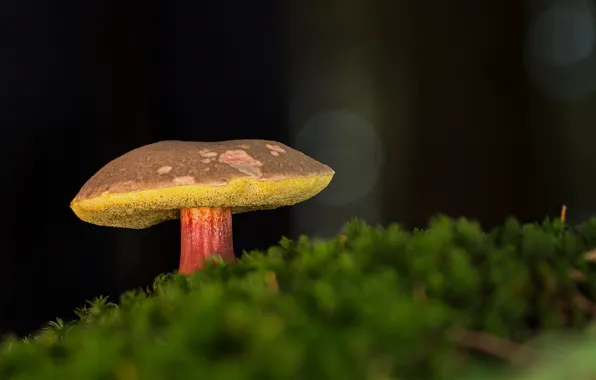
point(186, 180)
point(248, 170)
point(207, 153)
point(274, 153)
point(244, 146)
point(275, 148)
point(239, 157)
point(242, 161)
point(206, 160)
point(164, 170)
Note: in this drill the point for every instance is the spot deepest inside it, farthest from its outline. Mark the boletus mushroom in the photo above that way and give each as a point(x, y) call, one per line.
point(203, 184)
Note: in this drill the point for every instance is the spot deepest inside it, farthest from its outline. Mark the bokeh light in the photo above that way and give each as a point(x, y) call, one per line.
point(559, 49)
point(350, 145)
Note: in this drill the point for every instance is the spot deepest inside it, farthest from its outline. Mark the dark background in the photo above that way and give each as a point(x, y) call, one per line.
point(476, 109)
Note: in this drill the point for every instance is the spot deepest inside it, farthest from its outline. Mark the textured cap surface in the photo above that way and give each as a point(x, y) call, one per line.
point(152, 183)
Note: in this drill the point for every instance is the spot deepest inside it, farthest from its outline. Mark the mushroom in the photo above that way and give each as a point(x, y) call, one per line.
point(203, 184)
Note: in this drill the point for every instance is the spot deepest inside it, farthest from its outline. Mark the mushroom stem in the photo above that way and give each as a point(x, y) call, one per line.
point(205, 232)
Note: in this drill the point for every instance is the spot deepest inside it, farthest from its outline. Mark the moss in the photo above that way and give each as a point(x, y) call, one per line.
point(449, 302)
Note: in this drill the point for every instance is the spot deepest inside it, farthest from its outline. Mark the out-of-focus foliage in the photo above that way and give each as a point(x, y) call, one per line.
point(449, 302)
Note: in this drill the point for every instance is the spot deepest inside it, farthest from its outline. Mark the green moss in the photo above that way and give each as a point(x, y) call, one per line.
point(373, 303)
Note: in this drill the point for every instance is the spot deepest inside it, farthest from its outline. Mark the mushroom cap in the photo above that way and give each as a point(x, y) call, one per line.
point(150, 184)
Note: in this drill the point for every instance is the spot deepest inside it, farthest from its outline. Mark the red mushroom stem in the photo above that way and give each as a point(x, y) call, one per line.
point(205, 232)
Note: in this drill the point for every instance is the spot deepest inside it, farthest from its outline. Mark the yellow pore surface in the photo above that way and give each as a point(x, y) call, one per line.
point(145, 208)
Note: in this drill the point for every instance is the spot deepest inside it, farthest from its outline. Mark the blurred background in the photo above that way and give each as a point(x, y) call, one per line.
point(468, 108)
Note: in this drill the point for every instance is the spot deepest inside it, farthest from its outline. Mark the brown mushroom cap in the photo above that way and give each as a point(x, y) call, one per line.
point(150, 184)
